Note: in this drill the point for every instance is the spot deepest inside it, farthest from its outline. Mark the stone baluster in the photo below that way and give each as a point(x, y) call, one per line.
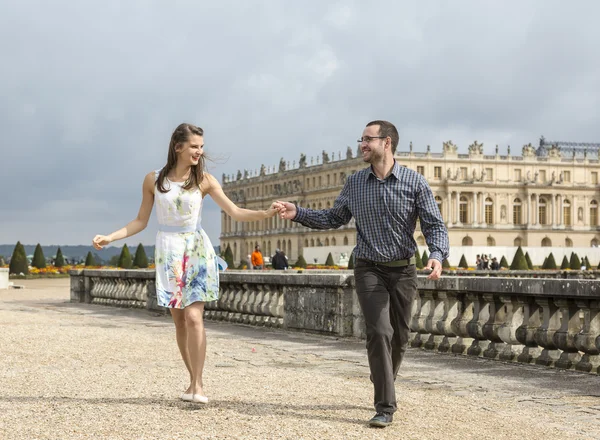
point(497, 318)
point(277, 310)
point(436, 314)
point(513, 319)
point(588, 339)
point(544, 336)
point(460, 323)
point(444, 325)
point(481, 315)
point(415, 310)
point(525, 334)
point(564, 337)
point(419, 320)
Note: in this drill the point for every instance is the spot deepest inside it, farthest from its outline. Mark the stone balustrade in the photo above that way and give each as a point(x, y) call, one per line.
point(543, 321)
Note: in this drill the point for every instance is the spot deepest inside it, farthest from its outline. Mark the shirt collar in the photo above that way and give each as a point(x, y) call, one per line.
point(395, 171)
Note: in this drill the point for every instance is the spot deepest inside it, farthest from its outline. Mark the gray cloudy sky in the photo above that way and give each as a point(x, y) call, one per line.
point(90, 91)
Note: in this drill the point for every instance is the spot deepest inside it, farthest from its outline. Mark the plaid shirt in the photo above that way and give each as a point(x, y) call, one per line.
point(386, 214)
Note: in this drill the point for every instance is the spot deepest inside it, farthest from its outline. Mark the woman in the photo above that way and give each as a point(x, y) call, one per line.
point(187, 272)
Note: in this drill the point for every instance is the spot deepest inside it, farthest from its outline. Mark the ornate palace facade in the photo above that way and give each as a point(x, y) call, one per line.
point(547, 196)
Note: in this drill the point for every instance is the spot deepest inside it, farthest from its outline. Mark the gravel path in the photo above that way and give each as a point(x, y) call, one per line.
point(73, 371)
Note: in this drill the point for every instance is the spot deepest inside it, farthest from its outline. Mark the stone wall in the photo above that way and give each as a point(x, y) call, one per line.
point(546, 321)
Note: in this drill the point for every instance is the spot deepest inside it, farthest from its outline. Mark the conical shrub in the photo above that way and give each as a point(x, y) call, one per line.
point(329, 260)
point(39, 260)
point(140, 260)
point(565, 263)
point(418, 261)
point(550, 262)
point(528, 259)
point(575, 262)
point(445, 264)
point(125, 258)
point(228, 256)
point(519, 262)
point(60, 260)
point(503, 262)
point(463, 262)
point(18, 261)
point(425, 258)
point(587, 263)
point(350, 261)
point(89, 260)
point(302, 262)
point(544, 263)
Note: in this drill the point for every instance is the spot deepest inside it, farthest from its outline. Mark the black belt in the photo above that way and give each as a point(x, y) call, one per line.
point(397, 263)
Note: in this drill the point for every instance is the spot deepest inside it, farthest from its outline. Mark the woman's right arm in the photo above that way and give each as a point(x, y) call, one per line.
point(136, 225)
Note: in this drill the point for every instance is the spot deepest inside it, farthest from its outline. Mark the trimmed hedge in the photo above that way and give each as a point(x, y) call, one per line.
point(519, 262)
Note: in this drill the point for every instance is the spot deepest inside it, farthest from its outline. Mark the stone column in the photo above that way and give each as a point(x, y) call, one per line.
point(527, 210)
point(535, 209)
point(449, 209)
point(483, 221)
point(458, 208)
point(475, 208)
point(552, 211)
point(561, 212)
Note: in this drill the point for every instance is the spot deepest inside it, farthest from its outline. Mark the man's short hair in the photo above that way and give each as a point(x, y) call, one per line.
point(387, 129)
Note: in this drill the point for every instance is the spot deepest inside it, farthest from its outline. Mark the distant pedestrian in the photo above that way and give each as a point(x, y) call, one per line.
point(257, 260)
point(279, 262)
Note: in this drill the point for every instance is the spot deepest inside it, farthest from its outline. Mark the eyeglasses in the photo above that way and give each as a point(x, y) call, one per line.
point(368, 139)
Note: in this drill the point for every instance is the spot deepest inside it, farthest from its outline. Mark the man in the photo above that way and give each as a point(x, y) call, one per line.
point(257, 259)
point(279, 262)
point(385, 199)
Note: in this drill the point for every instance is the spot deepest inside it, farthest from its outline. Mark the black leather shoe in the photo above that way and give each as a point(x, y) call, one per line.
point(381, 420)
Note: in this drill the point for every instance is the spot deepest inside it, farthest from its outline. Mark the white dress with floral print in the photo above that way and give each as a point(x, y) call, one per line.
point(187, 268)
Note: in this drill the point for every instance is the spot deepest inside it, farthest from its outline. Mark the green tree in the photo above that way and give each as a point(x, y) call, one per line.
point(60, 260)
point(565, 263)
point(588, 266)
point(228, 256)
point(140, 260)
point(39, 260)
point(575, 262)
point(550, 262)
point(503, 262)
point(445, 264)
point(90, 260)
point(425, 258)
point(302, 262)
point(418, 261)
point(463, 262)
point(18, 261)
point(545, 263)
point(350, 261)
point(125, 258)
point(519, 262)
point(329, 260)
point(528, 259)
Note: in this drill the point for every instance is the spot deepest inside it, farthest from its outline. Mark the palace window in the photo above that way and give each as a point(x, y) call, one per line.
point(517, 214)
point(438, 201)
point(542, 211)
point(593, 213)
point(327, 242)
point(333, 241)
point(463, 211)
point(542, 176)
point(546, 242)
point(594, 178)
point(567, 213)
point(567, 176)
point(491, 241)
point(489, 174)
point(568, 242)
point(345, 241)
point(518, 241)
point(489, 211)
point(421, 170)
point(467, 241)
point(463, 173)
point(517, 175)
point(437, 172)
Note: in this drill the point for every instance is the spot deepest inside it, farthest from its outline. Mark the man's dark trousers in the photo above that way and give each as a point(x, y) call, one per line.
point(385, 295)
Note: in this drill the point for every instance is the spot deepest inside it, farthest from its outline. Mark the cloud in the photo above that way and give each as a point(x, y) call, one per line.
point(91, 91)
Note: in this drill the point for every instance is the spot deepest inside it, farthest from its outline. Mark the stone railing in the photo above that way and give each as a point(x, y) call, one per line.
point(551, 322)
point(3, 278)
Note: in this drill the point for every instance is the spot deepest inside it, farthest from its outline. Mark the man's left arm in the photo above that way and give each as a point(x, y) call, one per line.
point(432, 224)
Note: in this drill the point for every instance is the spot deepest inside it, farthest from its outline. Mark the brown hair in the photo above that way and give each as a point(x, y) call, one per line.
point(387, 129)
point(182, 134)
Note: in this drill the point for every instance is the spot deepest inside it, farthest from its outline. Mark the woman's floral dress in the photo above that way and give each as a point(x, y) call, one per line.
point(187, 268)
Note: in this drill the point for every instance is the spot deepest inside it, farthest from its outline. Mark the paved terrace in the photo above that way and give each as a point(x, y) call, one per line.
point(78, 371)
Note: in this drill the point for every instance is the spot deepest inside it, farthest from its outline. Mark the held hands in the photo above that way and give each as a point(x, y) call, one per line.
point(436, 269)
point(273, 209)
point(100, 241)
point(287, 210)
